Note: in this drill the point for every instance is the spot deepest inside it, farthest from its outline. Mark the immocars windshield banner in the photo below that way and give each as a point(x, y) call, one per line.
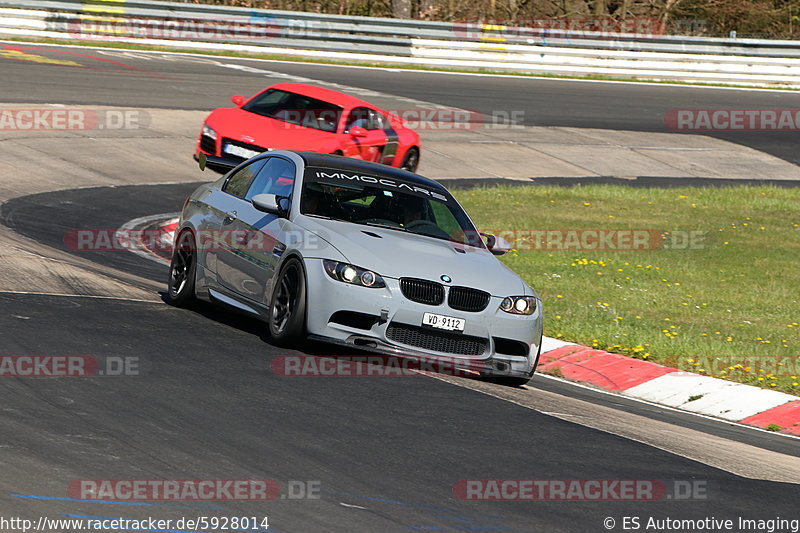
point(330, 175)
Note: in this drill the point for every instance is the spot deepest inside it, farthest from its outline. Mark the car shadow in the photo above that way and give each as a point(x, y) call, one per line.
point(245, 322)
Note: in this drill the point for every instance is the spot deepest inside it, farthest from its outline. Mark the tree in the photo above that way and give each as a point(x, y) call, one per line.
point(401, 9)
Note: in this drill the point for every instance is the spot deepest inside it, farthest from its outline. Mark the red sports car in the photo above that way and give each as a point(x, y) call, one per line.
point(295, 116)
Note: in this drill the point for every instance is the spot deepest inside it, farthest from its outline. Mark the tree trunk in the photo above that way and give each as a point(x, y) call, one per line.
point(600, 8)
point(401, 9)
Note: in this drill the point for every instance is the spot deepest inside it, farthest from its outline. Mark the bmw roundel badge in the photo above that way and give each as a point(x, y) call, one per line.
point(446, 278)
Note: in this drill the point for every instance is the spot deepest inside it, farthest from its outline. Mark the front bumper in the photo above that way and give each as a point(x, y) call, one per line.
point(452, 364)
point(391, 311)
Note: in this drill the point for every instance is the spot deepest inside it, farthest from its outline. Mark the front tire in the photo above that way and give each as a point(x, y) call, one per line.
point(508, 381)
point(517, 381)
point(287, 309)
point(182, 272)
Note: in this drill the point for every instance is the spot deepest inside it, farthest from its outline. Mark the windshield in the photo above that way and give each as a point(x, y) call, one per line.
point(296, 109)
point(386, 203)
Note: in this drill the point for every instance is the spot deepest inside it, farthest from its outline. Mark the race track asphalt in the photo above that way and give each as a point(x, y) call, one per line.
point(205, 404)
point(112, 78)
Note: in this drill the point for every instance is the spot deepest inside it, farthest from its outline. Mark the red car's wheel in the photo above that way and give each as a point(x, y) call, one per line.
point(411, 160)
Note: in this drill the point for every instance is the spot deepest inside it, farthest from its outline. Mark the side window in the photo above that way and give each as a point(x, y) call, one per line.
point(359, 117)
point(376, 120)
point(239, 183)
point(275, 177)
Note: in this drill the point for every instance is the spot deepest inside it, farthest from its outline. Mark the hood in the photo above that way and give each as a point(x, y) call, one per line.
point(396, 254)
point(238, 124)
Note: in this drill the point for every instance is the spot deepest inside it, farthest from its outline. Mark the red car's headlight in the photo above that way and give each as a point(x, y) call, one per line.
point(208, 132)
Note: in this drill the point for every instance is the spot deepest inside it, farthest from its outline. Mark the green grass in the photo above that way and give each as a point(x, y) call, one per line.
point(376, 64)
point(729, 307)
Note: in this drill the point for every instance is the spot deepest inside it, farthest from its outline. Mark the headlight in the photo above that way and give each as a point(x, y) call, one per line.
point(352, 274)
point(208, 132)
point(518, 305)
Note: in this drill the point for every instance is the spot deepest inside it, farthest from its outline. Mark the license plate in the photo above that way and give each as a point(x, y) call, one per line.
point(449, 323)
point(241, 152)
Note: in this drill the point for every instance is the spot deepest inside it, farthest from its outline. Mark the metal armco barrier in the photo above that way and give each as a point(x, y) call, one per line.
point(454, 45)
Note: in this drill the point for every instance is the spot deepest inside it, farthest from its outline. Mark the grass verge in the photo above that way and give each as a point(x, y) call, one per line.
point(714, 290)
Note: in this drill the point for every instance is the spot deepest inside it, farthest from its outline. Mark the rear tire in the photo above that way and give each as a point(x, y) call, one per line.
point(182, 272)
point(287, 309)
point(411, 160)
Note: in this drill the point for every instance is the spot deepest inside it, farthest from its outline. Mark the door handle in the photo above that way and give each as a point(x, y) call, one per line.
point(230, 216)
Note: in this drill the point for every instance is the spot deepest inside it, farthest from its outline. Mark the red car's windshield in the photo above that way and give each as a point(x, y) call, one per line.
point(296, 109)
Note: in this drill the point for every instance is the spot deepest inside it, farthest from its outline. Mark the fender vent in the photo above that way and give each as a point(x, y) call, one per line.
point(510, 347)
point(354, 319)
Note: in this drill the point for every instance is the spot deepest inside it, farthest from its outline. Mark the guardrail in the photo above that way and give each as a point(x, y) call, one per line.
point(457, 45)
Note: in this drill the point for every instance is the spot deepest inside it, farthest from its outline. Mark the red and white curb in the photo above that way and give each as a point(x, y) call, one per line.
point(164, 224)
point(168, 231)
point(675, 388)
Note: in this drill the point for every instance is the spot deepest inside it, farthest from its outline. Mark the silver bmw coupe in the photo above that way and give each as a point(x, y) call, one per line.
point(355, 253)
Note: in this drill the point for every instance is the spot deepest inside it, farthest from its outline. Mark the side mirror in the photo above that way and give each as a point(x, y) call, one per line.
point(497, 245)
point(358, 131)
point(238, 100)
point(271, 203)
